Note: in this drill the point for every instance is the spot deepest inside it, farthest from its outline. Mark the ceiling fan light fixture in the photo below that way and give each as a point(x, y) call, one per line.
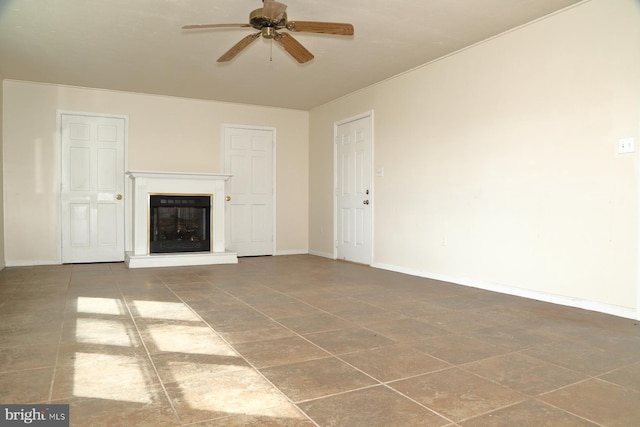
point(268, 32)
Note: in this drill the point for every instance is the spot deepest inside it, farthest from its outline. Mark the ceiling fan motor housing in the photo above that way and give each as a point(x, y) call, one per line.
point(259, 21)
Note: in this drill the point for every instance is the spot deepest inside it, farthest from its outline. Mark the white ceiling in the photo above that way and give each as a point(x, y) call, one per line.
point(139, 46)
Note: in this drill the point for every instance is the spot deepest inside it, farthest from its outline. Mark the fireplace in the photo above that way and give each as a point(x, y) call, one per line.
point(177, 219)
point(179, 223)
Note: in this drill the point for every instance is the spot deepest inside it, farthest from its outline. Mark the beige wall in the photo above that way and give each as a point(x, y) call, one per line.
point(500, 162)
point(2, 264)
point(165, 134)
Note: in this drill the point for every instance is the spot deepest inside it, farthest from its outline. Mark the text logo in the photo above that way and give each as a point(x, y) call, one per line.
point(34, 415)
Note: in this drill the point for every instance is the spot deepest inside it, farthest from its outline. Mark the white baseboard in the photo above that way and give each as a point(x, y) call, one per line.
point(292, 252)
point(31, 263)
point(322, 254)
point(614, 310)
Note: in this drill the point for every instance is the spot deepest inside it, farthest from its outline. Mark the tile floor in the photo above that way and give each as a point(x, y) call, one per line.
point(306, 341)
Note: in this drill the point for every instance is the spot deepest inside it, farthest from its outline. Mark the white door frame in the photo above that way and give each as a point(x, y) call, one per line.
point(58, 175)
point(335, 180)
point(225, 126)
point(637, 313)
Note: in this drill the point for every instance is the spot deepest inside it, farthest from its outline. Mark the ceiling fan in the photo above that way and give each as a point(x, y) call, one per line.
point(271, 18)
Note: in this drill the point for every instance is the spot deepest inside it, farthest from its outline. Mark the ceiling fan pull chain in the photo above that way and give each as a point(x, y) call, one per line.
point(271, 53)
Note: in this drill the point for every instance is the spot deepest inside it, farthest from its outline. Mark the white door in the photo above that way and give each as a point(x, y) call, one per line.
point(249, 209)
point(353, 190)
point(92, 188)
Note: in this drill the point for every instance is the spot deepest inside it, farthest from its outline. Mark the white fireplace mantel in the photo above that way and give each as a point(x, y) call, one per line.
point(146, 183)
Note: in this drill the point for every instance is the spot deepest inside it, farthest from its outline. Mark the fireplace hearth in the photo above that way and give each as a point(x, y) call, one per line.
point(179, 223)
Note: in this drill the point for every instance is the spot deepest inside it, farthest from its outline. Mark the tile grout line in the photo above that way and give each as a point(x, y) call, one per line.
point(569, 412)
point(55, 365)
point(148, 354)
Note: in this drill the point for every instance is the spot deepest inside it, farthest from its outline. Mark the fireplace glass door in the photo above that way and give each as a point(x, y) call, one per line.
point(180, 224)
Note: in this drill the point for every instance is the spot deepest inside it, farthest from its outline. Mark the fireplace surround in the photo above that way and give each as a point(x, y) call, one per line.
point(177, 186)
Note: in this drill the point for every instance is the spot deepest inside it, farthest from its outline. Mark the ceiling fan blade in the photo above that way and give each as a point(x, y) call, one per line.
point(198, 26)
point(238, 47)
point(321, 27)
point(273, 10)
point(295, 49)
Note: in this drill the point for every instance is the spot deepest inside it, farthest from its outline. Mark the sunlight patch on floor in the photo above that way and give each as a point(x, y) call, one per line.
point(238, 391)
point(104, 376)
point(225, 385)
point(106, 332)
point(164, 310)
point(95, 305)
point(188, 339)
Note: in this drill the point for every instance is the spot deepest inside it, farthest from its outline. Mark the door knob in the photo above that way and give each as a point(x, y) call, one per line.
point(119, 197)
point(228, 198)
point(366, 202)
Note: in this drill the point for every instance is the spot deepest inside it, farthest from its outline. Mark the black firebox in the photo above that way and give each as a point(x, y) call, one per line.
point(180, 223)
